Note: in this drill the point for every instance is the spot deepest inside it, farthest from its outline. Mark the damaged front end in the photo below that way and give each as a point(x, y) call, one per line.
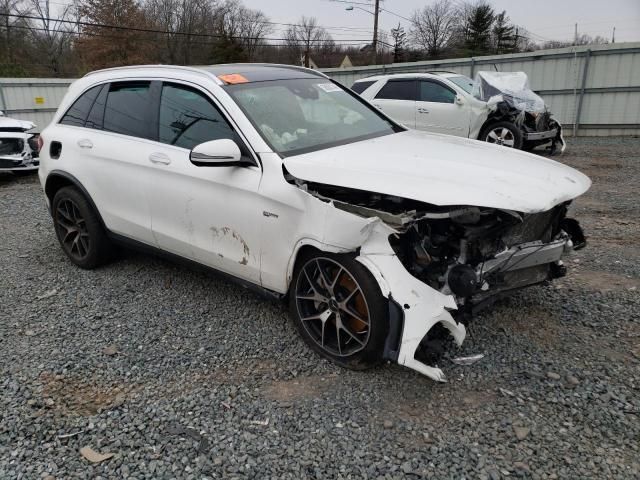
point(439, 265)
point(509, 98)
point(18, 147)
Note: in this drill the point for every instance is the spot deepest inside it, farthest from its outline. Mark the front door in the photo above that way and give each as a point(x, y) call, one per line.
point(207, 214)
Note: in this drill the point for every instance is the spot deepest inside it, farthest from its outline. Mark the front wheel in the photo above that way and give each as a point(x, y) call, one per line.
point(336, 305)
point(506, 134)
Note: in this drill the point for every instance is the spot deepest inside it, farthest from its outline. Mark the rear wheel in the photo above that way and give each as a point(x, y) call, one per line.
point(79, 230)
point(506, 134)
point(338, 309)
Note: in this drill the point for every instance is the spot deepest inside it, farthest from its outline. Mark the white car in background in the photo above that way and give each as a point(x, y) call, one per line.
point(497, 108)
point(289, 183)
point(18, 147)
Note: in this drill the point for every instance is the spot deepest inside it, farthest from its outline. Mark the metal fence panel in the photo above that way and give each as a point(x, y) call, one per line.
point(33, 99)
point(595, 86)
point(610, 75)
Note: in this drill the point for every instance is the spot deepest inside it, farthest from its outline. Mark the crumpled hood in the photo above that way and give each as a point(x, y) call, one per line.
point(444, 170)
point(13, 123)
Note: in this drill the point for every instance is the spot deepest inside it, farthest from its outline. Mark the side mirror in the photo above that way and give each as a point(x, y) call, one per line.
point(459, 100)
point(217, 153)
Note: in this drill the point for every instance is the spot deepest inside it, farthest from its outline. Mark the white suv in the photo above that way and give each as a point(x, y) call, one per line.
point(445, 102)
point(291, 184)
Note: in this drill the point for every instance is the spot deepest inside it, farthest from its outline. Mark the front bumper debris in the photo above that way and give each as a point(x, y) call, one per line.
point(536, 136)
point(422, 307)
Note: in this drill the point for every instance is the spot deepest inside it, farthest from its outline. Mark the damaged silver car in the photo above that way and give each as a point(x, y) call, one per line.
point(498, 107)
point(18, 147)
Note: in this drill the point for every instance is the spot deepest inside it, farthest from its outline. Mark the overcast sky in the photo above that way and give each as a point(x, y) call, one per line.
point(545, 19)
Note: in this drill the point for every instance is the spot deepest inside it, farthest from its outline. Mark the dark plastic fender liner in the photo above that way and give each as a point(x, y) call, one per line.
point(396, 326)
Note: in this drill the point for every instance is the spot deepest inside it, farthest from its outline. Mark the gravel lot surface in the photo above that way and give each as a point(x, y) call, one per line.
point(180, 374)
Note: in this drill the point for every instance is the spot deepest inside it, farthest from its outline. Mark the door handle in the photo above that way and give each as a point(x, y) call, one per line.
point(159, 158)
point(85, 143)
point(423, 110)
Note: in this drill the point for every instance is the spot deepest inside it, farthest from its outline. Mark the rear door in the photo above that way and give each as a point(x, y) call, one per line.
point(397, 98)
point(437, 110)
point(110, 146)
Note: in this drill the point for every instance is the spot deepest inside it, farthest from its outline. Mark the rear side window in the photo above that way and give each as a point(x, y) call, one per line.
point(398, 90)
point(435, 92)
point(188, 118)
point(78, 112)
point(126, 109)
point(360, 87)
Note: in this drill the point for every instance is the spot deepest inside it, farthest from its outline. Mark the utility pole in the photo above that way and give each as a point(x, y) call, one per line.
point(374, 55)
point(575, 36)
point(613, 37)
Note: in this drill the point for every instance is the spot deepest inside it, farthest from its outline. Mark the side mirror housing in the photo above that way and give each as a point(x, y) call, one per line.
point(218, 153)
point(459, 100)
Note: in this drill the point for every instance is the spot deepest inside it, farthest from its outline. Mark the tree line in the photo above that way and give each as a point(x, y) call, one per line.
point(51, 38)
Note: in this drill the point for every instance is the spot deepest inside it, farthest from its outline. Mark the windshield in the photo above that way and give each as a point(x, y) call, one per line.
point(302, 115)
point(463, 82)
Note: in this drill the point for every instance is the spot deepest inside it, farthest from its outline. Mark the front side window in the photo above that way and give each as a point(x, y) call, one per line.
point(398, 90)
point(77, 114)
point(188, 118)
point(463, 82)
point(126, 109)
point(306, 114)
point(435, 92)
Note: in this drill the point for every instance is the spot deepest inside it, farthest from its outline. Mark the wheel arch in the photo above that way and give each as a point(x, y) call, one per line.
point(494, 117)
point(58, 179)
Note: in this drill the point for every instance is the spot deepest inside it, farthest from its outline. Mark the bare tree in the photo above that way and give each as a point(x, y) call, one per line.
point(52, 37)
point(243, 28)
point(11, 29)
point(434, 26)
point(306, 36)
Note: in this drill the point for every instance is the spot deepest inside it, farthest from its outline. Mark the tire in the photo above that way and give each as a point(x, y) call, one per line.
point(502, 133)
point(79, 229)
point(349, 297)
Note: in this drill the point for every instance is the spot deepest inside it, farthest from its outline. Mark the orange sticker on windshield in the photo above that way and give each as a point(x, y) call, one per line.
point(233, 78)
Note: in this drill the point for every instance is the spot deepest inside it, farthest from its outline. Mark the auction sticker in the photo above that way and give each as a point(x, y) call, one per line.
point(329, 87)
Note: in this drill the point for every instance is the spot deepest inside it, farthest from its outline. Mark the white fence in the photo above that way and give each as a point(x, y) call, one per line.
point(592, 89)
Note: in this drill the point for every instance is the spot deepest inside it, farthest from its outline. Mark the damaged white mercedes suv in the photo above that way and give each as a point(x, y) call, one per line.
point(378, 237)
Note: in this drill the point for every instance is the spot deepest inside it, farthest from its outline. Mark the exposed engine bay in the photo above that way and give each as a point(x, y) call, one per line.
point(472, 253)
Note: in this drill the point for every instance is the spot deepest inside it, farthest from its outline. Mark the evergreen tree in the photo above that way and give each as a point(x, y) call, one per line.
point(478, 29)
point(503, 34)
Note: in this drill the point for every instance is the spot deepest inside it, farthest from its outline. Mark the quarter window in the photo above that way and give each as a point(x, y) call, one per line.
point(435, 92)
point(78, 112)
point(188, 118)
point(398, 90)
point(360, 87)
point(126, 109)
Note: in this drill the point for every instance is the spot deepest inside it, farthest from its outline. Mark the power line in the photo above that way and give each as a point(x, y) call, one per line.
point(164, 32)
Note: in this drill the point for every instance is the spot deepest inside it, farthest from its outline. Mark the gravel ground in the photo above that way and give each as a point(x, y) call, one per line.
point(179, 374)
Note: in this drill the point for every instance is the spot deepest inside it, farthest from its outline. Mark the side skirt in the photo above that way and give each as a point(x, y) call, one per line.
point(129, 243)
